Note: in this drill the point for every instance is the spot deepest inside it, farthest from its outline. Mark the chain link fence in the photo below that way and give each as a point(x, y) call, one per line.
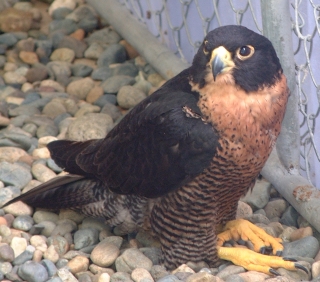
point(182, 25)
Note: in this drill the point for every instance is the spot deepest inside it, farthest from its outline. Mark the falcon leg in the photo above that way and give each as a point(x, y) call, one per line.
point(250, 260)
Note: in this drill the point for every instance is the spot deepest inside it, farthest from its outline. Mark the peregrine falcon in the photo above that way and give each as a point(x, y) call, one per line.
point(192, 149)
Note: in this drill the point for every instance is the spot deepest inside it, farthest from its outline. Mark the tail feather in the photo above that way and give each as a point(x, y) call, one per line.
point(69, 191)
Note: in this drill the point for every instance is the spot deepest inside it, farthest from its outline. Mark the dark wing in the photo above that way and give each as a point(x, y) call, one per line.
point(156, 148)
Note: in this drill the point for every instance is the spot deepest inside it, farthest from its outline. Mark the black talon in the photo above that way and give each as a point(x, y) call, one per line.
point(279, 253)
point(274, 272)
point(263, 250)
point(299, 266)
point(289, 259)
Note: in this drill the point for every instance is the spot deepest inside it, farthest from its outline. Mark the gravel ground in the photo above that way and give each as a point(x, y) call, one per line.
point(72, 76)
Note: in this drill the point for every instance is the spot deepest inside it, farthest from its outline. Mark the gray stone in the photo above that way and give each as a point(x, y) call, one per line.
point(121, 277)
point(15, 139)
point(305, 247)
point(235, 278)
point(8, 193)
point(102, 73)
point(230, 270)
point(90, 126)
point(50, 267)
point(47, 130)
point(6, 253)
point(86, 18)
point(259, 196)
point(65, 275)
point(23, 257)
point(131, 259)
point(106, 99)
point(169, 278)
point(14, 174)
point(158, 271)
point(85, 237)
point(58, 70)
point(115, 53)
point(67, 26)
point(154, 254)
point(60, 13)
point(112, 111)
point(81, 70)
point(113, 84)
point(290, 217)
point(52, 165)
point(28, 110)
point(125, 69)
point(33, 272)
point(8, 39)
point(104, 37)
point(275, 208)
point(5, 268)
point(129, 96)
point(74, 44)
point(23, 222)
point(93, 51)
point(54, 108)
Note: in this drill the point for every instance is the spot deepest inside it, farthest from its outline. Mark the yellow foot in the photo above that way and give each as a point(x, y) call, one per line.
point(257, 262)
point(245, 230)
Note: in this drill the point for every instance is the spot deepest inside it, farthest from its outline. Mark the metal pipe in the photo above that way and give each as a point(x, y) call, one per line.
point(163, 60)
point(297, 190)
point(277, 27)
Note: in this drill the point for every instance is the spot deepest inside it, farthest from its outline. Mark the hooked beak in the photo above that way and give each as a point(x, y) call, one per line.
point(221, 61)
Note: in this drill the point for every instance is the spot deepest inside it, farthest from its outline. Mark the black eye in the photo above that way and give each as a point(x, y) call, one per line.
point(245, 51)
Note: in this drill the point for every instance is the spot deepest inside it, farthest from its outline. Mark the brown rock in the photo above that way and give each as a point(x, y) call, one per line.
point(36, 74)
point(37, 255)
point(63, 54)
point(3, 221)
point(301, 233)
point(94, 94)
point(253, 276)
point(203, 276)
point(12, 20)
point(104, 254)
point(78, 264)
point(243, 210)
point(11, 154)
point(78, 34)
point(315, 269)
point(27, 57)
point(131, 52)
point(275, 208)
point(26, 45)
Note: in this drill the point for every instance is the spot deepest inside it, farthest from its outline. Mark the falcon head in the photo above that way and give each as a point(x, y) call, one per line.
point(236, 52)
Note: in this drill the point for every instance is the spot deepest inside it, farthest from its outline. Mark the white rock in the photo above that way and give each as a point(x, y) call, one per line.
point(70, 4)
point(11, 77)
point(42, 172)
point(18, 245)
